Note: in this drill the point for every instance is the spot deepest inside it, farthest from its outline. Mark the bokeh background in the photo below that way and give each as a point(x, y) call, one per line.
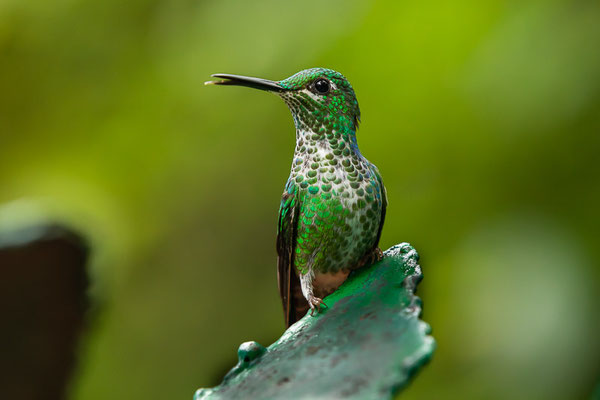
point(483, 118)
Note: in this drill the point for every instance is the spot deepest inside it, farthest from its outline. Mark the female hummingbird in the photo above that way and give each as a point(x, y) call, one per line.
point(333, 206)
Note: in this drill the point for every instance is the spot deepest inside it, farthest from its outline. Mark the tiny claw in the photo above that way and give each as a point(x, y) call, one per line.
point(378, 254)
point(316, 303)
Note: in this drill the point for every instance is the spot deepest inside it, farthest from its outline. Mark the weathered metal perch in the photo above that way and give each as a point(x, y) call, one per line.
point(366, 345)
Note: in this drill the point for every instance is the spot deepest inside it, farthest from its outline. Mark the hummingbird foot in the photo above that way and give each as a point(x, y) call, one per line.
point(316, 303)
point(370, 258)
point(378, 255)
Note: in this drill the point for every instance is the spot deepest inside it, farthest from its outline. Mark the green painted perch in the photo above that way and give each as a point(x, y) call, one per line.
point(366, 345)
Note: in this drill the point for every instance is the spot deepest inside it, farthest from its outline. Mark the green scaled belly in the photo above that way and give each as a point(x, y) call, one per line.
point(338, 223)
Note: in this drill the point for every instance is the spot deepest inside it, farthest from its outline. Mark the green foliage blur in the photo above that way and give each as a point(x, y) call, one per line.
point(483, 118)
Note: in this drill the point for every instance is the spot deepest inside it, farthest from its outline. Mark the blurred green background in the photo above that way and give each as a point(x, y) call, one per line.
point(483, 118)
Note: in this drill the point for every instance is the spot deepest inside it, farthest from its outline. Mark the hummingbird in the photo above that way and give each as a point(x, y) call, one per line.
point(334, 202)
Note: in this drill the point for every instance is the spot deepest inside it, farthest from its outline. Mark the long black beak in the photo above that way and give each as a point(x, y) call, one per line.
point(238, 80)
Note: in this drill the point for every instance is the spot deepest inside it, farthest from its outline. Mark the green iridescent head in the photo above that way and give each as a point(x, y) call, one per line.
point(321, 100)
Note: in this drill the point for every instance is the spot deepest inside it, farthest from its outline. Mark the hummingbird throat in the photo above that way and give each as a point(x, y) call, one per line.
point(321, 126)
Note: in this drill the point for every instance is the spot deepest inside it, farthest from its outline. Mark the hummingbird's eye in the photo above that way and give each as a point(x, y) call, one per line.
point(322, 85)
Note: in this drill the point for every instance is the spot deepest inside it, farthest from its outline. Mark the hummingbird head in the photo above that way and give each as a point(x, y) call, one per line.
point(321, 100)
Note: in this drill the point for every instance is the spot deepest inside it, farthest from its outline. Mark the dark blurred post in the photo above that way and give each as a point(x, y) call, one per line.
point(43, 300)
